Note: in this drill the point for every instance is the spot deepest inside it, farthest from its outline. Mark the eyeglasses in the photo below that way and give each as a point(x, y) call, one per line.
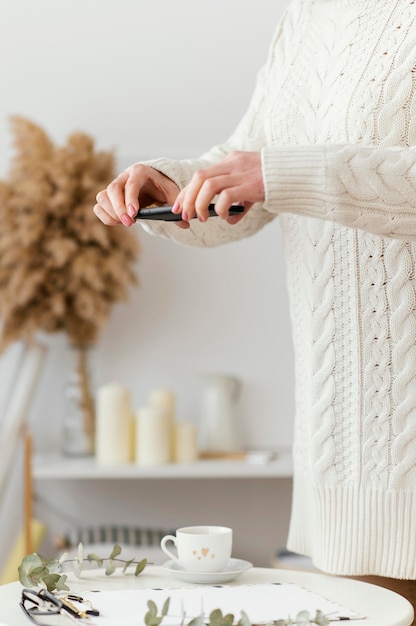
point(45, 609)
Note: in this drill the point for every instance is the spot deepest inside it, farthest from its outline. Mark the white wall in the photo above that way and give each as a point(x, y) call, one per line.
point(150, 78)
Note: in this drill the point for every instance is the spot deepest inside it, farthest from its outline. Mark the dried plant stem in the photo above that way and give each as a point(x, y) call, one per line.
point(87, 400)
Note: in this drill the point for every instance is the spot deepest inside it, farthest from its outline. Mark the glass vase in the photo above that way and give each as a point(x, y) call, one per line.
point(78, 431)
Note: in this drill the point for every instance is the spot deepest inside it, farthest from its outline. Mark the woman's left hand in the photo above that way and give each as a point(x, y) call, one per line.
point(236, 179)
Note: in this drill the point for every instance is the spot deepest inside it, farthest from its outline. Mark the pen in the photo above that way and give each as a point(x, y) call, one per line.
point(164, 213)
point(66, 604)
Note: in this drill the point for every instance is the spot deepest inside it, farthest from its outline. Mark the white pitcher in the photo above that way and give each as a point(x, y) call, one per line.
point(219, 429)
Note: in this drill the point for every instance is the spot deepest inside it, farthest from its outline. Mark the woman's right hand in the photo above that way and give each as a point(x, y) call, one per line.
point(137, 187)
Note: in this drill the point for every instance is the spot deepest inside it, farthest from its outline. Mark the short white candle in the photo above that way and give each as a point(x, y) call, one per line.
point(186, 442)
point(153, 436)
point(114, 422)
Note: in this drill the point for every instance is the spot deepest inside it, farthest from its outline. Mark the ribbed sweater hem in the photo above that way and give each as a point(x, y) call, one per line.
point(353, 530)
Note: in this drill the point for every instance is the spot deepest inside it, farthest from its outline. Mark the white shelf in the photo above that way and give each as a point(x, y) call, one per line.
point(56, 467)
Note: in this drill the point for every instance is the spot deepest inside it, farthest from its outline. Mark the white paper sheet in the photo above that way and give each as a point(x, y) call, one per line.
point(261, 603)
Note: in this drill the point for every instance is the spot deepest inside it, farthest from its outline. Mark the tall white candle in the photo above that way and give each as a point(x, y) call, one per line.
point(186, 442)
point(153, 442)
point(114, 422)
point(166, 399)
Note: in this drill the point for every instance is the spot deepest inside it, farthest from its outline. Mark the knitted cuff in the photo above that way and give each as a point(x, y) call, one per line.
point(168, 168)
point(294, 179)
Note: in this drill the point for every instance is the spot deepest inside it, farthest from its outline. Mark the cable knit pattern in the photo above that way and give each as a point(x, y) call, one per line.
point(376, 359)
point(334, 116)
point(321, 264)
point(300, 304)
point(401, 299)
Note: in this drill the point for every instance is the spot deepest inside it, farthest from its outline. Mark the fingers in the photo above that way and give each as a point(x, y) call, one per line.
point(133, 189)
point(198, 194)
point(105, 217)
point(111, 206)
point(182, 224)
point(237, 178)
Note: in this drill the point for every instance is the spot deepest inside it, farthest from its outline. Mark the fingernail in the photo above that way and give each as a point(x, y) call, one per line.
point(176, 207)
point(131, 210)
point(126, 219)
point(185, 216)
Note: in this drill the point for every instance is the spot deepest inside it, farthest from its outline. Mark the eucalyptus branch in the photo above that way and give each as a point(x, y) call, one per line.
point(216, 618)
point(37, 571)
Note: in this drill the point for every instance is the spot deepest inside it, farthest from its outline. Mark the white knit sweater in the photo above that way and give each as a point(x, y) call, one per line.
point(334, 114)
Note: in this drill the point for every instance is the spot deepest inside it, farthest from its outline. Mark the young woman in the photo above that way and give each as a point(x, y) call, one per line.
point(328, 146)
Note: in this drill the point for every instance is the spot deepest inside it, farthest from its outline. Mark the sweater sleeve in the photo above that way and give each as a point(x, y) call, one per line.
point(367, 187)
point(250, 136)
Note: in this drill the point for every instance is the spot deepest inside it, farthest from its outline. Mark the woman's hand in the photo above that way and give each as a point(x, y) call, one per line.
point(236, 179)
point(137, 187)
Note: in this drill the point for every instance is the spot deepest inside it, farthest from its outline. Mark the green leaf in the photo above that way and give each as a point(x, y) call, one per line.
point(320, 619)
point(152, 621)
point(115, 552)
point(93, 558)
point(152, 607)
point(54, 566)
point(51, 581)
point(44, 560)
point(31, 561)
point(77, 568)
point(140, 567)
point(165, 607)
point(111, 568)
point(151, 618)
point(63, 557)
point(244, 619)
point(215, 615)
point(126, 565)
point(303, 617)
point(61, 584)
point(24, 578)
point(216, 618)
point(38, 573)
point(197, 621)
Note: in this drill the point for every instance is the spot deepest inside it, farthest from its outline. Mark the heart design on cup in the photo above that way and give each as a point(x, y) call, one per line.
point(204, 551)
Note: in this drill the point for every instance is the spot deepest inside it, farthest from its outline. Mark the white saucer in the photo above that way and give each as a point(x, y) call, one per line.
point(234, 568)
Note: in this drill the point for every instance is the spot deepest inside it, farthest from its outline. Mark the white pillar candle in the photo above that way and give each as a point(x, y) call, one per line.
point(166, 399)
point(153, 441)
point(186, 446)
point(163, 397)
point(114, 422)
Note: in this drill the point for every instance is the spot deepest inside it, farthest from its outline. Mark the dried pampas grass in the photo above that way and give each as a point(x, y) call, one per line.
point(61, 269)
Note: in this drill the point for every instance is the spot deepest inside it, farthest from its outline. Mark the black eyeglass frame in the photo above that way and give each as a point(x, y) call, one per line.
point(46, 603)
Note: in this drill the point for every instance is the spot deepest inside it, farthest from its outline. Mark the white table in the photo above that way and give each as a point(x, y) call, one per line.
point(381, 606)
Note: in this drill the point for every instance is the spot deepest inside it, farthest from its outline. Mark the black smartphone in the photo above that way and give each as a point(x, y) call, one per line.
point(165, 213)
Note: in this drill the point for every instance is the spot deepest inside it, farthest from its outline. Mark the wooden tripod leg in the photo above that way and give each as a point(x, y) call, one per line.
point(28, 492)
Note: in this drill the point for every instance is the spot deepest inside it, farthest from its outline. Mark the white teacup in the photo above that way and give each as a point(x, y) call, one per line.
point(200, 548)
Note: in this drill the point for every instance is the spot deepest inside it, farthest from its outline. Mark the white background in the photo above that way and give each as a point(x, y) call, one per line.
point(147, 79)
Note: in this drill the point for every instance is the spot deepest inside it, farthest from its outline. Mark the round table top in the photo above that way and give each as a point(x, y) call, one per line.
point(380, 606)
